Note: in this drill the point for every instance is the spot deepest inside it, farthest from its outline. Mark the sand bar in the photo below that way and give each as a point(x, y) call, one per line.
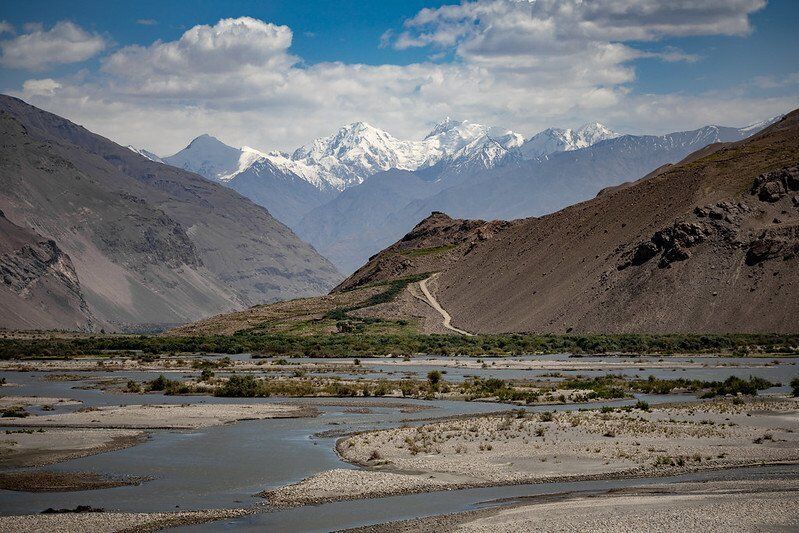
point(499, 450)
point(107, 522)
point(172, 416)
point(723, 506)
point(48, 446)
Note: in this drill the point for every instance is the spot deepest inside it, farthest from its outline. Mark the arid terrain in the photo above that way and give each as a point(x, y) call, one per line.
point(130, 244)
point(707, 245)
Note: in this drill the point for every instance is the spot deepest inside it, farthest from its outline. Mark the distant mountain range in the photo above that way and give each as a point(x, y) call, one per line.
point(707, 245)
point(94, 235)
point(354, 192)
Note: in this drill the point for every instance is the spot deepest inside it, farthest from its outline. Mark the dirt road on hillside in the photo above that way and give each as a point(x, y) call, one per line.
point(435, 305)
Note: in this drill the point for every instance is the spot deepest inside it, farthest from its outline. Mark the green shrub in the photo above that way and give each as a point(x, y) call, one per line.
point(16, 411)
point(434, 378)
point(158, 384)
point(355, 344)
point(240, 387)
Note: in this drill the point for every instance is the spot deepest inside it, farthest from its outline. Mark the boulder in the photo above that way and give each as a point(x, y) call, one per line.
point(673, 254)
point(644, 252)
point(771, 186)
point(762, 249)
point(771, 191)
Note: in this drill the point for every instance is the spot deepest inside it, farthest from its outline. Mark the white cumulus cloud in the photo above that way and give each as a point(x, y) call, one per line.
point(42, 87)
point(521, 65)
point(39, 49)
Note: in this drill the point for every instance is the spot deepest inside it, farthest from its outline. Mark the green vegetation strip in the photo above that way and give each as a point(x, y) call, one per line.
point(393, 288)
point(613, 386)
point(475, 388)
point(366, 345)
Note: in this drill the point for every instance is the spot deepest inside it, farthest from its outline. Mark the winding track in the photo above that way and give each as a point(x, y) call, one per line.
point(435, 305)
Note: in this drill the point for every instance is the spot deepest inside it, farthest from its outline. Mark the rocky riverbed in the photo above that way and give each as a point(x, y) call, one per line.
point(541, 447)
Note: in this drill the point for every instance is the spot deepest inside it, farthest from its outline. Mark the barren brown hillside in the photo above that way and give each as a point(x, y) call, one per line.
point(707, 245)
point(434, 244)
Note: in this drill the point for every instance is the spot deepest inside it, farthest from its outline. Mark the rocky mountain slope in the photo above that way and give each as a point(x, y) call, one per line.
point(707, 245)
point(40, 288)
point(431, 246)
point(150, 244)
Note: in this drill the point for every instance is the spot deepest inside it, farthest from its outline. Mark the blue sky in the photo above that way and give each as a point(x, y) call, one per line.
point(312, 66)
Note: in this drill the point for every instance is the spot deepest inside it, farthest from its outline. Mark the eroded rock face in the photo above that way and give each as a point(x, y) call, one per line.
point(772, 244)
point(672, 242)
point(772, 186)
point(22, 267)
point(35, 271)
point(644, 252)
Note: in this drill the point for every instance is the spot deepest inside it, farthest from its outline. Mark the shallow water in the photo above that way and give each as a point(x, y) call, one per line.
point(224, 466)
point(340, 515)
point(220, 466)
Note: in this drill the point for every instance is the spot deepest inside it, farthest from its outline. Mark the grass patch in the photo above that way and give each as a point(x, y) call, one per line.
point(611, 386)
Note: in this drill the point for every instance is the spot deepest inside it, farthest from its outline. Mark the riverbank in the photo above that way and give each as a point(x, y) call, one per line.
point(110, 522)
point(50, 481)
point(723, 506)
point(40, 447)
point(167, 416)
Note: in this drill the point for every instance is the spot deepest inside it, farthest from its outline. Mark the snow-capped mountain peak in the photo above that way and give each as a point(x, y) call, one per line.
point(247, 156)
point(354, 152)
point(357, 151)
point(554, 140)
point(592, 133)
point(207, 156)
point(442, 127)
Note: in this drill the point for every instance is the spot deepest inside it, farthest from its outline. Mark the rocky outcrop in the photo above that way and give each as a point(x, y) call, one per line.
point(38, 283)
point(771, 186)
point(728, 223)
point(21, 268)
point(774, 243)
point(672, 243)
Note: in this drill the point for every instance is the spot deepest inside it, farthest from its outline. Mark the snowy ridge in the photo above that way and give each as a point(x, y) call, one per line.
point(146, 153)
point(554, 140)
point(358, 150)
point(757, 126)
point(353, 153)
